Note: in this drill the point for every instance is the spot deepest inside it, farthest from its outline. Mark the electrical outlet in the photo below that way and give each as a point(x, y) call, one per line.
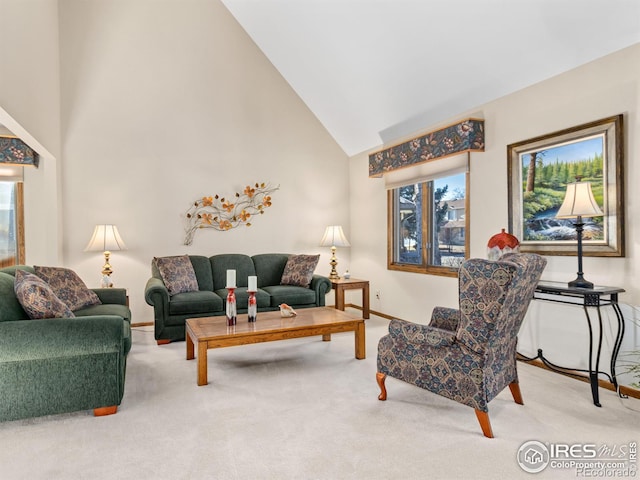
point(378, 294)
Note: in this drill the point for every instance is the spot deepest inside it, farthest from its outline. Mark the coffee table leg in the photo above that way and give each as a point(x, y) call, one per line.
point(326, 337)
point(361, 350)
point(202, 363)
point(190, 351)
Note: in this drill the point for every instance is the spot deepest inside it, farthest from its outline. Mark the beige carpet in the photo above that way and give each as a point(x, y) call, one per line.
point(303, 409)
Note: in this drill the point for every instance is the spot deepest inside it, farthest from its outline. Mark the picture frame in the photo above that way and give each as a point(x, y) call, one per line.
point(538, 172)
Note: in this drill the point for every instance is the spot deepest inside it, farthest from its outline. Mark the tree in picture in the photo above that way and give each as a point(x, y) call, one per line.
point(546, 173)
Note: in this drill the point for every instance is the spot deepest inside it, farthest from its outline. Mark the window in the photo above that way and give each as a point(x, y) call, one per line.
point(11, 224)
point(427, 225)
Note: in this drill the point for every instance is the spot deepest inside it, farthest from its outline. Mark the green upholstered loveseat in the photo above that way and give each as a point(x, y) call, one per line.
point(60, 365)
point(170, 312)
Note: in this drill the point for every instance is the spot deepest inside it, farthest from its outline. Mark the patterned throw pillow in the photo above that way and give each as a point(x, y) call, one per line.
point(177, 274)
point(299, 270)
point(68, 287)
point(37, 298)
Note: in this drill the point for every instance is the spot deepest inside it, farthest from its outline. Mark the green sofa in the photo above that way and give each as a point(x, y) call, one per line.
point(170, 312)
point(60, 365)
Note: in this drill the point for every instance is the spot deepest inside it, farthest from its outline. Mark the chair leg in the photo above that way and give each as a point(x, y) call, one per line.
point(485, 424)
point(515, 391)
point(164, 341)
point(380, 378)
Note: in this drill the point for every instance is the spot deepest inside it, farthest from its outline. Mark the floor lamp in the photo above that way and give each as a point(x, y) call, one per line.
point(578, 203)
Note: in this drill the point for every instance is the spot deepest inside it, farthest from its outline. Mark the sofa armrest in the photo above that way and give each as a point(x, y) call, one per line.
point(420, 335)
point(32, 339)
point(445, 318)
point(155, 293)
point(321, 285)
point(112, 295)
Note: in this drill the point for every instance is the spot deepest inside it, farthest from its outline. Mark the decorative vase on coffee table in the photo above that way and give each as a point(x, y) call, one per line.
point(252, 309)
point(231, 307)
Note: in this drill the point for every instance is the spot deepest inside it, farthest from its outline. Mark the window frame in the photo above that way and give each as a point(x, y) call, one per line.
point(19, 258)
point(427, 208)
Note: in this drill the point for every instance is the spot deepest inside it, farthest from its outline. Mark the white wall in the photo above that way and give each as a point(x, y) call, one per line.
point(30, 108)
point(603, 88)
point(164, 102)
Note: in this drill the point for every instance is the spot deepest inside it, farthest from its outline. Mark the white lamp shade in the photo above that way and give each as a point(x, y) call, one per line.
point(105, 238)
point(579, 201)
point(334, 237)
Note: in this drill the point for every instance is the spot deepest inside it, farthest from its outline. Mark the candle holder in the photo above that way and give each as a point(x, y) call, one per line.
point(231, 307)
point(252, 309)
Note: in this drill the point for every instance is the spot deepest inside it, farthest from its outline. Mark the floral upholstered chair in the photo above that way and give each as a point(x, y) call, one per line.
point(467, 354)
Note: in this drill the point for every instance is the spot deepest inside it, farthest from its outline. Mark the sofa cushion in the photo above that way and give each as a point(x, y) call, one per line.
point(177, 274)
point(291, 295)
point(202, 267)
point(242, 264)
point(67, 286)
point(105, 309)
point(195, 302)
point(10, 308)
point(13, 268)
point(299, 270)
point(110, 295)
point(269, 268)
point(242, 298)
point(38, 299)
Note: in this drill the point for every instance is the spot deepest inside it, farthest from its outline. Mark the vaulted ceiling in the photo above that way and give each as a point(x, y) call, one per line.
point(375, 70)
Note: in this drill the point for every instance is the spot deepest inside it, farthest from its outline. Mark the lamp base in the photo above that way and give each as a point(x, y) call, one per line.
point(106, 272)
point(334, 263)
point(580, 282)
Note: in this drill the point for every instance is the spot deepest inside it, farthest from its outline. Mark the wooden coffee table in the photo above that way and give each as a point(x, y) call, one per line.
point(212, 332)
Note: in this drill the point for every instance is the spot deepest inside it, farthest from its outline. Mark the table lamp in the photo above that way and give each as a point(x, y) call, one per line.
point(579, 202)
point(334, 237)
point(106, 238)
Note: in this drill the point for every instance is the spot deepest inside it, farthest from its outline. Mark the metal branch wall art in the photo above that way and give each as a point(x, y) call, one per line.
point(223, 214)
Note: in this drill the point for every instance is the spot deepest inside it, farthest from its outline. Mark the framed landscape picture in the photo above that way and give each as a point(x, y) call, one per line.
point(539, 170)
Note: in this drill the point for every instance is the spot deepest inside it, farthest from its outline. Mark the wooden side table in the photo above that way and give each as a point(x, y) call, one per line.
point(342, 284)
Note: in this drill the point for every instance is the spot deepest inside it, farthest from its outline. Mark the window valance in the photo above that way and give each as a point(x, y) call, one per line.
point(465, 136)
point(14, 151)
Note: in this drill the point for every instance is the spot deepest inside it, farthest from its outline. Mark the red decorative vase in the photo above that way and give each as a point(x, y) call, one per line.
point(252, 307)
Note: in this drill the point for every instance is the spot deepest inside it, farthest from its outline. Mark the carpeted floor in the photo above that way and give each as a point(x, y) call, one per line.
point(303, 409)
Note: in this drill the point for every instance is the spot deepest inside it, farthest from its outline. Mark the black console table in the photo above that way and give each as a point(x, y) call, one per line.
point(595, 297)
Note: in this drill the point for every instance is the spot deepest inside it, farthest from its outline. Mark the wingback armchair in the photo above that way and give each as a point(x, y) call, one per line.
point(467, 354)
